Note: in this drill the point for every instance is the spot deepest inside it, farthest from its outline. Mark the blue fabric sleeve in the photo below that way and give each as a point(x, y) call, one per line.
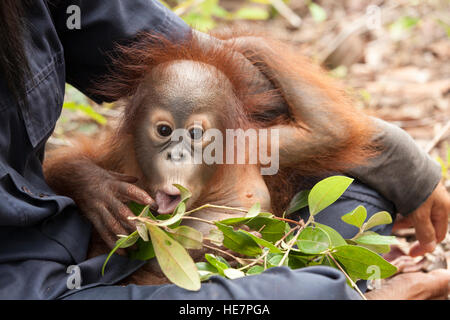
point(102, 26)
point(279, 283)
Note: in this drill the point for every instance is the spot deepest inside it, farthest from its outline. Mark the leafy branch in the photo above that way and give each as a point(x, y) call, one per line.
point(276, 243)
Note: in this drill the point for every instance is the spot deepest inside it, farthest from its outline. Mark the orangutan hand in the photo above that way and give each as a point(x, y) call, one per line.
point(103, 199)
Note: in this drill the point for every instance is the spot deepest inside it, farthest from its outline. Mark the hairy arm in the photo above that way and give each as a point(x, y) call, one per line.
point(88, 173)
point(325, 132)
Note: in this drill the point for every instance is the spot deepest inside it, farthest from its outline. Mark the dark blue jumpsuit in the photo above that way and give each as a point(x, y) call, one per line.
point(42, 234)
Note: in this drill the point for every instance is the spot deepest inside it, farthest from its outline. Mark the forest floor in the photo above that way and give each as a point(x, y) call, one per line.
point(396, 67)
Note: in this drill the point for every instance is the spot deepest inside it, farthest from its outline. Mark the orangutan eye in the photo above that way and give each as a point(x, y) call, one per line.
point(196, 133)
point(164, 130)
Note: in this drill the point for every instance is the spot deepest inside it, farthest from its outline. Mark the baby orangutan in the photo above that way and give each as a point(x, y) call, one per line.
point(186, 97)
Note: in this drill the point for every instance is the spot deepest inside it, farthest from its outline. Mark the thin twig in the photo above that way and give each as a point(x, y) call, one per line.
point(438, 137)
point(267, 252)
point(286, 235)
point(198, 219)
point(347, 276)
point(299, 223)
point(205, 206)
point(239, 260)
point(255, 262)
point(287, 13)
point(290, 244)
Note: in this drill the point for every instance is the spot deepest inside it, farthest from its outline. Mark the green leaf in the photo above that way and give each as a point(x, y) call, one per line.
point(339, 72)
point(444, 168)
point(144, 251)
point(235, 221)
point(206, 270)
point(375, 239)
point(356, 217)
point(329, 262)
point(238, 241)
point(119, 243)
point(216, 237)
point(179, 212)
point(244, 220)
point(232, 273)
point(263, 242)
point(199, 21)
point(87, 110)
point(402, 25)
point(297, 262)
point(163, 217)
point(140, 210)
point(254, 210)
point(275, 260)
point(299, 201)
point(327, 191)
point(216, 263)
point(447, 146)
point(185, 194)
point(188, 237)
point(251, 13)
point(223, 260)
point(268, 2)
point(382, 217)
point(357, 260)
point(313, 240)
point(273, 229)
point(128, 240)
point(207, 6)
point(317, 12)
point(317, 261)
point(175, 262)
point(206, 266)
point(405, 23)
point(382, 248)
point(220, 12)
point(255, 270)
point(180, 209)
point(145, 212)
point(142, 230)
point(336, 239)
point(205, 275)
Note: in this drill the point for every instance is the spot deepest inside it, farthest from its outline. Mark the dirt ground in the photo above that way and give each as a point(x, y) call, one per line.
point(393, 56)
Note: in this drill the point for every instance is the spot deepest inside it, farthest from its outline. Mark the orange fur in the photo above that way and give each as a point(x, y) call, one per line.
point(133, 63)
